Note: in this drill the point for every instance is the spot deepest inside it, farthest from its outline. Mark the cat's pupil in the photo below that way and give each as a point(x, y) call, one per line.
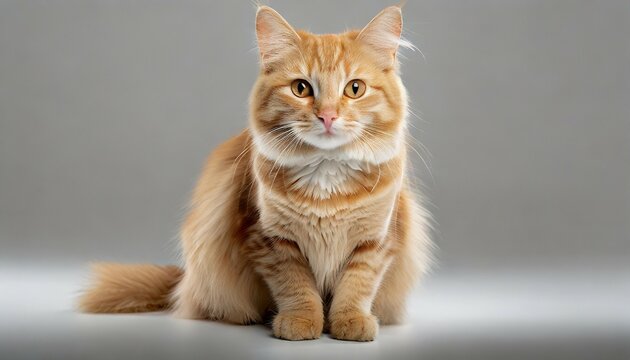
point(355, 87)
point(301, 87)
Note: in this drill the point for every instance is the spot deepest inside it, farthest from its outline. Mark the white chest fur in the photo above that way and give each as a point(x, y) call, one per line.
point(323, 177)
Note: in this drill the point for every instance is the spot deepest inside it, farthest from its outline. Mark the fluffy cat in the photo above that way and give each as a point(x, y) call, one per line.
point(307, 214)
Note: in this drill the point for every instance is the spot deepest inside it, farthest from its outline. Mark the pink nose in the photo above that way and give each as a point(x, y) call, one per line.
point(327, 116)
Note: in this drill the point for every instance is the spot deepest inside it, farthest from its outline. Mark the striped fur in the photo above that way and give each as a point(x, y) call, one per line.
point(321, 229)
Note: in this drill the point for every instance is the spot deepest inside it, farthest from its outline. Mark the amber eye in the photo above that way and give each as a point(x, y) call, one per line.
point(355, 89)
point(301, 88)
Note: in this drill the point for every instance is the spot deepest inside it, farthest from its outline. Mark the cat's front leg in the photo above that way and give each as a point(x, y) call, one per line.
point(350, 314)
point(290, 279)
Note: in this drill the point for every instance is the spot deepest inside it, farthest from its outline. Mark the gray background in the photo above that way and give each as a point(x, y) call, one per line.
point(108, 109)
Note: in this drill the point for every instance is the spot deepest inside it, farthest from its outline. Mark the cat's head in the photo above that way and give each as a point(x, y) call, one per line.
point(334, 94)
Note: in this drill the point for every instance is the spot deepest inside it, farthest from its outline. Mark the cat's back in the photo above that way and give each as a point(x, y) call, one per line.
point(227, 164)
point(223, 187)
point(231, 153)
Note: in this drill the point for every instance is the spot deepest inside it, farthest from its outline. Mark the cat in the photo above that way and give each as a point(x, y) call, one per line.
point(307, 214)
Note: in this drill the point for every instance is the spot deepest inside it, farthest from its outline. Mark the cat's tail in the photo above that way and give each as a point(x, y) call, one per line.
point(122, 288)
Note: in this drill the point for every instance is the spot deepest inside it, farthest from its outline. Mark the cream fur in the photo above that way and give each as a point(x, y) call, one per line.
point(322, 231)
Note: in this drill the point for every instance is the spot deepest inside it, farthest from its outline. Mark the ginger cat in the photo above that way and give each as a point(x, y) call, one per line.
point(308, 213)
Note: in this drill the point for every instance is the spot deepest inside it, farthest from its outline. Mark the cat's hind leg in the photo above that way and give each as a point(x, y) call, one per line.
point(389, 305)
point(411, 261)
point(239, 298)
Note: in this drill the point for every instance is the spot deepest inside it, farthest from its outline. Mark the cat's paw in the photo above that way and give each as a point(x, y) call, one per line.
point(353, 326)
point(298, 325)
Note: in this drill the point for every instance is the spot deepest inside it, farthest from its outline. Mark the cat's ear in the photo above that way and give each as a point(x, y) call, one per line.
point(382, 34)
point(274, 34)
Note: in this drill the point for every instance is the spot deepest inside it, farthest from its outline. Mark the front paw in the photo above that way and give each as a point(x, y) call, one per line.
point(354, 326)
point(298, 325)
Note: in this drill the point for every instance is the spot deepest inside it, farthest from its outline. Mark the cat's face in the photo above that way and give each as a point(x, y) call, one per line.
point(328, 93)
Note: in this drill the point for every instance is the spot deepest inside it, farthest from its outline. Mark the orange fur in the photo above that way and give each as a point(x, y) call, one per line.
point(318, 226)
point(129, 288)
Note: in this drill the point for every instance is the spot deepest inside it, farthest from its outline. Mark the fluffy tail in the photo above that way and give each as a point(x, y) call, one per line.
point(120, 288)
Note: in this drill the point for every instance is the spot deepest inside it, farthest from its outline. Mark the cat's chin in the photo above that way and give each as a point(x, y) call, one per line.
point(327, 141)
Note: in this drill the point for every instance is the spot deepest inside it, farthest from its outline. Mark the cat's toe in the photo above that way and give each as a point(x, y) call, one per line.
point(298, 325)
point(354, 326)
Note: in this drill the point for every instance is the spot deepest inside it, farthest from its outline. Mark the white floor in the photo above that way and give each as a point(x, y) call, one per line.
point(521, 315)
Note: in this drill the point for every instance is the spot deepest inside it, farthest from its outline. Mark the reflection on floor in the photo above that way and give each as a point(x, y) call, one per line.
point(519, 315)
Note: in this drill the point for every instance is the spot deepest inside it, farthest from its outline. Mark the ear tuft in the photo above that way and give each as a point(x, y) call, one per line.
point(383, 33)
point(274, 34)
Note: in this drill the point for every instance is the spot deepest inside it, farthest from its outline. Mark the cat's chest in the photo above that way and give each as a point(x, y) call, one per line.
point(317, 210)
point(325, 178)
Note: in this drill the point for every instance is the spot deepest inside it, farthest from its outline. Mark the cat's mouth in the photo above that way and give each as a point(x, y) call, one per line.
point(326, 139)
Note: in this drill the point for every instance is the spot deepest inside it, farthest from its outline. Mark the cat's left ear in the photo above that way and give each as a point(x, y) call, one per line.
point(383, 33)
point(275, 36)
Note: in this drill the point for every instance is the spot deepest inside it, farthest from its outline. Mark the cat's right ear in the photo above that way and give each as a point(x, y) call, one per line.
point(274, 34)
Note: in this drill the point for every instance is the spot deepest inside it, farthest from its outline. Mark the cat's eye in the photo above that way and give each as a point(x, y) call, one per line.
point(354, 89)
point(301, 88)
